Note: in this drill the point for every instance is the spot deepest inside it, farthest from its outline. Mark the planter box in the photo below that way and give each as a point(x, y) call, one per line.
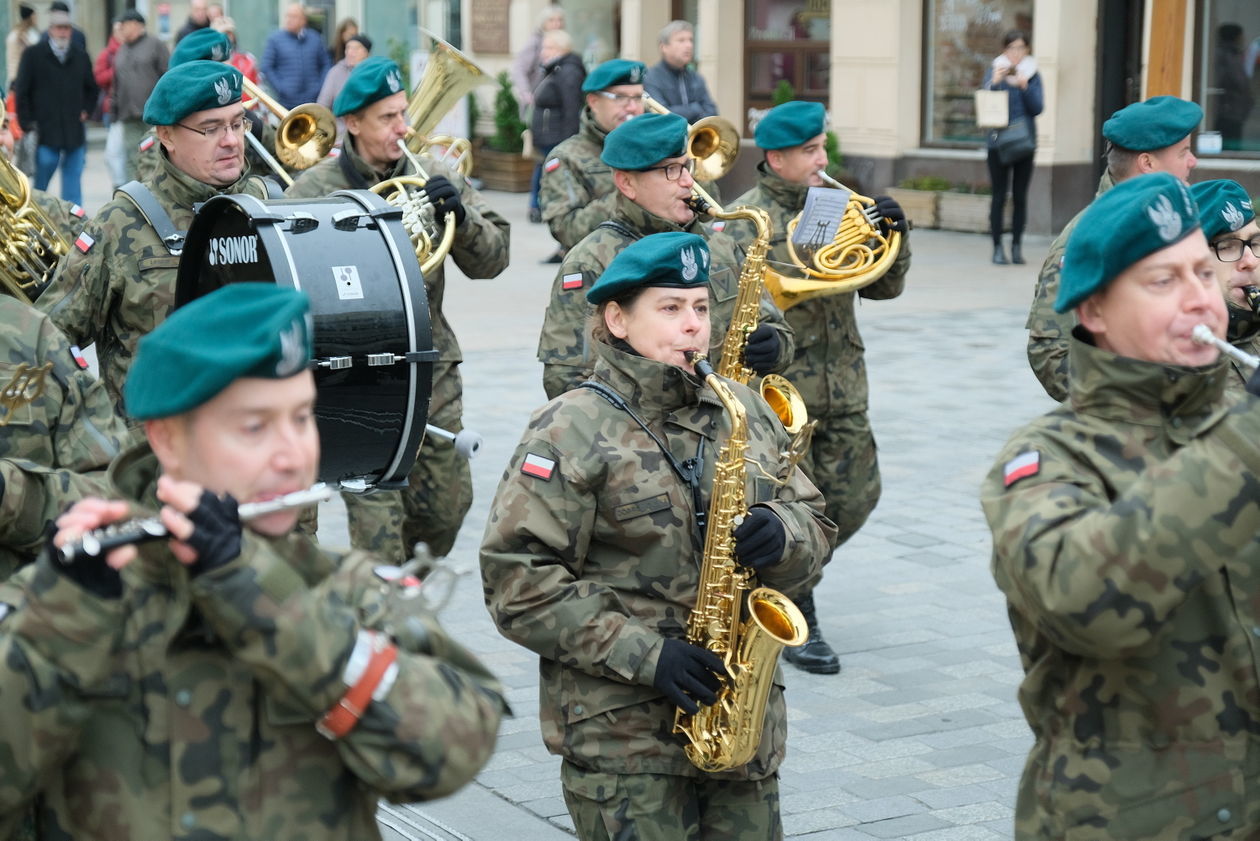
point(969, 212)
point(508, 172)
point(920, 205)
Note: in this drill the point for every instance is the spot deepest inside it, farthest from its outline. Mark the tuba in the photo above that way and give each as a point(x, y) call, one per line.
point(447, 78)
point(726, 734)
point(33, 246)
point(858, 255)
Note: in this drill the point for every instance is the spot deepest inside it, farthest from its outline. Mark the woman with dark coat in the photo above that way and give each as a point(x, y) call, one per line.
point(1014, 71)
point(558, 102)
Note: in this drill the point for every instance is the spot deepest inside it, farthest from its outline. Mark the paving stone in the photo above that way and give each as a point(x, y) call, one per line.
point(974, 813)
point(882, 808)
point(906, 827)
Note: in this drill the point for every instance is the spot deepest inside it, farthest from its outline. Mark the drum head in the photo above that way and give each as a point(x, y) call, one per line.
point(373, 346)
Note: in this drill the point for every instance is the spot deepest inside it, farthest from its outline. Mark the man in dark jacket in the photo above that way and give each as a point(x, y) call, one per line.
point(558, 101)
point(295, 60)
point(56, 91)
point(672, 82)
point(140, 62)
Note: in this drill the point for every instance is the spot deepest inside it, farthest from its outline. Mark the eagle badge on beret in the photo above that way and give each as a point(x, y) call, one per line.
point(1166, 218)
point(223, 89)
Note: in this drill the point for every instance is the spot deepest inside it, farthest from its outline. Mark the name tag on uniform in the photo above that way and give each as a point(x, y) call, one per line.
point(643, 506)
point(1024, 464)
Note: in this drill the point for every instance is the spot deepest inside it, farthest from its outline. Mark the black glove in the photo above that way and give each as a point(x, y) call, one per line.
point(685, 671)
point(894, 217)
point(762, 350)
point(92, 574)
point(760, 539)
point(216, 533)
point(444, 198)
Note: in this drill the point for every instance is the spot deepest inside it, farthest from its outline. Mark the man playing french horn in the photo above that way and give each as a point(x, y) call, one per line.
point(593, 556)
point(828, 367)
point(439, 493)
point(653, 176)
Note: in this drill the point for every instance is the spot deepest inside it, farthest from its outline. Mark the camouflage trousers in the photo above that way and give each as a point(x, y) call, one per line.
point(557, 379)
point(439, 488)
point(842, 463)
point(663, 807)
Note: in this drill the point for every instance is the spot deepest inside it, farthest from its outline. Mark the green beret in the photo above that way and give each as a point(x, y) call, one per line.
point(207, 44)
point(618, 71)
point(678, 260)
point(644, 141)
point(1224, 206)
point(370, 81)
point(191, 87)
point(1132, 220)
point(790, 124)
point(1158, 122)
point(239, 330)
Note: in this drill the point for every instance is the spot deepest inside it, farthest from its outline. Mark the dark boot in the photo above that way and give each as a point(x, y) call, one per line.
point(815, 655)
point(1017, 254)
point(999, 256)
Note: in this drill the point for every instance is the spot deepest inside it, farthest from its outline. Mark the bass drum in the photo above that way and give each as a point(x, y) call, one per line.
point(374, 349)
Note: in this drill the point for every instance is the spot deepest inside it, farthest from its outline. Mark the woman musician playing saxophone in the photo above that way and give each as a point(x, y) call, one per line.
point(592, 557)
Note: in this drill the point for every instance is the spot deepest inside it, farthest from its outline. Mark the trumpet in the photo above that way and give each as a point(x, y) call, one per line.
point(1204, 336)
point(306, 133)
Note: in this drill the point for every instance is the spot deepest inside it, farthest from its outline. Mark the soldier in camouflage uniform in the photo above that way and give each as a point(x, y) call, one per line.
point(439, 491)
point(828, 369)
point(1149, 136)
point(593, 550)
point(652, 174)
point(229, 682)
point(118, 282)
point(1229, 223)
point(1124, 527)
point(67, 426)
point(577, 192)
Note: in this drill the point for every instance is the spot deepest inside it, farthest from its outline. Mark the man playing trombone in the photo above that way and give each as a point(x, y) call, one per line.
point(1124, 538)
point(828, 369)
point(439, 493)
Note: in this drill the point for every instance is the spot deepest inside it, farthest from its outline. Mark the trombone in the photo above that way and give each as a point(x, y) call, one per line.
point(306, 133)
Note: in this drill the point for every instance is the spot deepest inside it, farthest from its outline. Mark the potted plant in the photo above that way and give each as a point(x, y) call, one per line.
point(919, 198)
point(499, 161)
point(965, 207)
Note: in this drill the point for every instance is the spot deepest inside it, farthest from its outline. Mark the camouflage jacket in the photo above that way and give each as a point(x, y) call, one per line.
point(1243, 333)
point(564, 336)
point(186, 709)
point(66, 217)
point(1048, 330)
point(118, 281)
point(591, 556)
point(829, 368)
point(481, 243)
point(1124, 527)
point(71, 426)
point(577, 190)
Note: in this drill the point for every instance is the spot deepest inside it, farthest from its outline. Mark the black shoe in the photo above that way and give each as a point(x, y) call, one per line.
point(815, 656)
point(535, 215)
point(999, 256)
point(1017, 254)
point(557, 257)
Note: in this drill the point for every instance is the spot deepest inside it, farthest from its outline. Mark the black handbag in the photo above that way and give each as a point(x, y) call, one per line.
point(1015, 143)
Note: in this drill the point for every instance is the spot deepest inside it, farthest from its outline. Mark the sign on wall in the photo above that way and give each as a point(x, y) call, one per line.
point(489, 26)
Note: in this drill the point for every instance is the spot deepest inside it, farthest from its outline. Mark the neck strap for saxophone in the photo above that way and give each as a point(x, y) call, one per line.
point(689, 470)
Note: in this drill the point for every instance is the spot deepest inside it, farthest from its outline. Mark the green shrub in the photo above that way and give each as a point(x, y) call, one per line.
point(932, 183)
point(783, 92)
point(508, 125)
point(401, 55)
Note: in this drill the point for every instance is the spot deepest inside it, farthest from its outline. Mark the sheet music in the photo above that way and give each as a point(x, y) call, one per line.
point(820, 219)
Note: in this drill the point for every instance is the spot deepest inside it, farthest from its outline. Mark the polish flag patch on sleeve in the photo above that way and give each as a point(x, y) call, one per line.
point(147, 143)
point(84, 243)
point(79, 358)
point(78, 211)
point(552, 165)
point(719, 225)
point(1024, 464)
point(571, 281)
point(538, 466)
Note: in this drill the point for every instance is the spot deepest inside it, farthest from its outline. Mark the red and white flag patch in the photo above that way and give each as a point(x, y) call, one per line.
point(719, 225)
point(78, 211)
point(79, 358)
point(571, 281)
point(147, 143)
point(552, 165)
point(84, 243)
point(1024, 464)
point(537, 466)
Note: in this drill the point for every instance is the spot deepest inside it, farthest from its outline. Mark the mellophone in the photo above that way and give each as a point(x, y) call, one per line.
point(95, 544)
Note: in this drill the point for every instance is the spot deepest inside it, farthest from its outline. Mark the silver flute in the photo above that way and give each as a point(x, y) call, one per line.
point(1204, 336)
point(96, 543)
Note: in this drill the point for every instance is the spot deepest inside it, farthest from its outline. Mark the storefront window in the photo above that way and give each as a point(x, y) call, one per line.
point(787, 41)
point(964, 36)
point(596, 29)
point(1229, 76)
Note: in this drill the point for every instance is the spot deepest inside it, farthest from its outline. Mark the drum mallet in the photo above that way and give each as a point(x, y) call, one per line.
point(467, 442)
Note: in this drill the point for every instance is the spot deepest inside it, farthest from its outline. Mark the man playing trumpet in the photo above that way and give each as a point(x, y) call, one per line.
point(1124, 538)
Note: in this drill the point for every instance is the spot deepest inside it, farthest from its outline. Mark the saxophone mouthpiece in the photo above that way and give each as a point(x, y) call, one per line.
point(697, 205)
point(700, 363)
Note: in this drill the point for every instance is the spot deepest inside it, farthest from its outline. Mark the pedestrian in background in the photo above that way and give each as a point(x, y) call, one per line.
point(103, 70)
point(198, 18)
point(347, 28)
point(76, 34)
point(526, 70)
point(294, 60)
point(24, 34)
point(356, 48)
point(1014, 71)
point(56, 92)
point(242, 60)
point(672, 82)
point(558, 103)
point(140, 62)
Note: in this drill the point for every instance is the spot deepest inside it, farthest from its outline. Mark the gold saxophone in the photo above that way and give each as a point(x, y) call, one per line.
point(726, 734)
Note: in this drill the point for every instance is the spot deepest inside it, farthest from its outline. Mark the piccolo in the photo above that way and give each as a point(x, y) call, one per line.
point(96, 543)
point(1204, 336)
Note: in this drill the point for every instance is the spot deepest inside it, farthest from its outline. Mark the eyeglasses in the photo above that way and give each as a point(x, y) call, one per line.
point(674, 171)
point(620, 98)
point(1231, 250)
point(214, 133)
